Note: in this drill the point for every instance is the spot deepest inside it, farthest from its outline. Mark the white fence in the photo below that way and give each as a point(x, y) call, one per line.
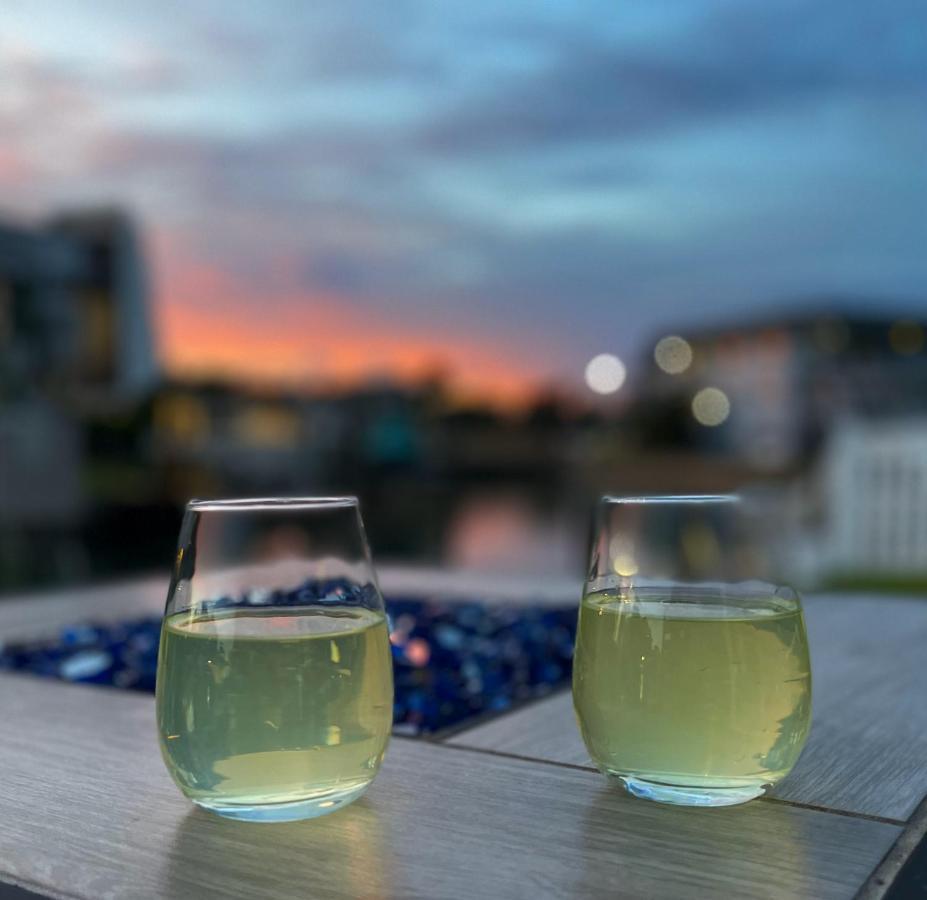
point(875, 498)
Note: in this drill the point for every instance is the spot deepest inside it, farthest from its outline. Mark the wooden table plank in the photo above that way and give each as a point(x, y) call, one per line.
point(42, 614)
point(870, 731)
point(868, 742)
point(88, 811)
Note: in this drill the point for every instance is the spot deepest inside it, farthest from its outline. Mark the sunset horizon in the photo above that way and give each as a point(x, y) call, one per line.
point(335, 195)
point(316, 341)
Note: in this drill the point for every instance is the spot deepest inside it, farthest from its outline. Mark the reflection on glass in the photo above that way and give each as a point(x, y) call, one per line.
point(691, 678)
point(275, 690)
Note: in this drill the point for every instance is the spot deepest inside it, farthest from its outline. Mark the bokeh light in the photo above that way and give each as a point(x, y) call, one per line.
point(710, 406)
point(605, 373)
point(673, 354)
point(418, 652)
point(906, 337)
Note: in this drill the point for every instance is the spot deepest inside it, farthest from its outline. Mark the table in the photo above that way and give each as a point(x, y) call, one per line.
point(509, 808)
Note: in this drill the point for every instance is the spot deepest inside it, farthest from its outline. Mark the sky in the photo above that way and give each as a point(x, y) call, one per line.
point(502, 191)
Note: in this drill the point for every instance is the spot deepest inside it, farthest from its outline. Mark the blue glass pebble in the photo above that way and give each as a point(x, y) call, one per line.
point(451, 661)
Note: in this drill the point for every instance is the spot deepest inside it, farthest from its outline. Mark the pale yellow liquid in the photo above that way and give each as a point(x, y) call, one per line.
point(274, 706)
point(696, 690)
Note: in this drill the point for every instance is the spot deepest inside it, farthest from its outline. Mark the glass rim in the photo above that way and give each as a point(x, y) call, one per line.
point(270, 503)
point(670, 499)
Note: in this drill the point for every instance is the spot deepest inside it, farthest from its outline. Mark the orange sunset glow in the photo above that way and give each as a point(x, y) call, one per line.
point(210, 324)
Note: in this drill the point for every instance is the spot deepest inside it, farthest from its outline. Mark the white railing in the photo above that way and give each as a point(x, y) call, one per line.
point(875, 491)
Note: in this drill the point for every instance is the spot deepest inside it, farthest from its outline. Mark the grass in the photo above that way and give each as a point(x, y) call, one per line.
point(909, 583)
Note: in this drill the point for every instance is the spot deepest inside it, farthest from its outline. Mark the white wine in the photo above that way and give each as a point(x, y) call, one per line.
point(690, 697)
point(278, 710)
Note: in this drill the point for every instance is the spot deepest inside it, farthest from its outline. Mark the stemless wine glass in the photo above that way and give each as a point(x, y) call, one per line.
point(275, 680)
point(691, 678)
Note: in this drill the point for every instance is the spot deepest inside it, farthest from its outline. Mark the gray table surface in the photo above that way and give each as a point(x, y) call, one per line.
point(505, 809)
point(867, 751)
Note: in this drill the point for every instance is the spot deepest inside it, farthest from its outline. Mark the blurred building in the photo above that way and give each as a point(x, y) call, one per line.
point(74, 317)
point(221, 438)
point(111, 336)
point(98, 453)
point(769, 392)
point(75, 340)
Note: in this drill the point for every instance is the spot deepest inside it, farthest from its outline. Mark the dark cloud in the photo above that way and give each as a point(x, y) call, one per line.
point(735, 60)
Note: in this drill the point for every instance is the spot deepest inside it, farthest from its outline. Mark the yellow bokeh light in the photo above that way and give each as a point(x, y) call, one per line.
point(710, 406)
point(673, 354)
point(266, 426)
point(906, 337)
point(183, 417)
point(605, 373)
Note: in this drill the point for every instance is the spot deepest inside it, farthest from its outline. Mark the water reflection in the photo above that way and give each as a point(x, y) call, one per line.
point(499, 532)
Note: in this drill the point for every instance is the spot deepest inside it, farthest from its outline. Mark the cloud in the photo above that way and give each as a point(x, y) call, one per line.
point(15, 169)
point(734, 60)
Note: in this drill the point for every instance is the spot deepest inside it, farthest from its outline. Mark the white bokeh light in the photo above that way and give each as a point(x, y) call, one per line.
point(605, 373)
point(673, 354)
point(710, 406)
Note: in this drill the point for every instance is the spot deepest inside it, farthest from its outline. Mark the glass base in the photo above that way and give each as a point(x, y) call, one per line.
point(311, 808)
point(681, 795)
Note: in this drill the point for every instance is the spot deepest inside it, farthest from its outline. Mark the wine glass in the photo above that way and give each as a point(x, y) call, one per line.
point(691, 678)
point(275, 681)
